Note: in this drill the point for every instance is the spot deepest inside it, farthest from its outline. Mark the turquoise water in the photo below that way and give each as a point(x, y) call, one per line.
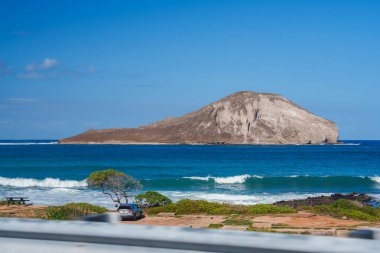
point(50, 173)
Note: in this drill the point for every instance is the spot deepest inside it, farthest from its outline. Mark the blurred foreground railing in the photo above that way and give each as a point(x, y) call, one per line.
point(26, 235)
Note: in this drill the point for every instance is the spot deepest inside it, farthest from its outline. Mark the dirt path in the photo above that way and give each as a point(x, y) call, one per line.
point(194, 221)
point(302, 219)
point(299, 223)
point(15, 211)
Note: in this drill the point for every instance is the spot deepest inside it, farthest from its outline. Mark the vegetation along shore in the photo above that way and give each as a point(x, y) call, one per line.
point(336, 218)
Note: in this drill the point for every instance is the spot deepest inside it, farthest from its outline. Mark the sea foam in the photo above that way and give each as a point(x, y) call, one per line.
point(239, 179)
point(376, 179)
point(240, 199)
point(27, 143)
point(47, 182)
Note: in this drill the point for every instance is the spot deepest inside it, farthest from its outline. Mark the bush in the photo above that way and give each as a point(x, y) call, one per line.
point(237, 222)
point(188, 206)
point(215, 226)
point(151, 199)
point(348, 208)
point(161, 209)
point(72, 211)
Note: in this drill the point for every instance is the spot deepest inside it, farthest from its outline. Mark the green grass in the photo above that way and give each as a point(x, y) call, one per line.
point(268, 230)
point(269, 209)
point(338, 209)
point(187, 206)
point(237, 222)
point(215, 226)
point(280, 225)
point(347, 208)
point(71, 211)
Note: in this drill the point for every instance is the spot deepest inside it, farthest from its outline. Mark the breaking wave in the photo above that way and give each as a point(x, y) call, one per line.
point(255, 182)
point(245, 181)
point(225, 180)
point(47, 182)
point(27, 143)
point(240, 179)
point(240, 199)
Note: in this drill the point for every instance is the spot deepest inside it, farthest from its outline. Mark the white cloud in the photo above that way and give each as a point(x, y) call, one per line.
point(47, 63)
point(49, 69)
point(30, 67)
point(32, 75)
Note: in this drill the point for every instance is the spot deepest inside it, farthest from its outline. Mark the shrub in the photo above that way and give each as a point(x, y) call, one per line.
point(151, 198)
point(72, 211)
point(187, 206)
point(215, 226)
point(161, 209)
point(237, 222)
point(348, 208)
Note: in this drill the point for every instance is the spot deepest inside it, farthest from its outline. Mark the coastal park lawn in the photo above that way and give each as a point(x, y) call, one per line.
point(340, 208)
point(332, 219)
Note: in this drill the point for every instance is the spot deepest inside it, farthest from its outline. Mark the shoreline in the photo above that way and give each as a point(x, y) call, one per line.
point(202, 144)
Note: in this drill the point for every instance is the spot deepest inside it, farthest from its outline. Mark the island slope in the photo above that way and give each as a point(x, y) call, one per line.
point(241, 118)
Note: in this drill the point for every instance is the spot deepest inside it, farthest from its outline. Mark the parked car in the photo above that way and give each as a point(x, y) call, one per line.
point(130, 211)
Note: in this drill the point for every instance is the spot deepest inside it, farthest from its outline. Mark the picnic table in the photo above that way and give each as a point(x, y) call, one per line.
point(17, 201)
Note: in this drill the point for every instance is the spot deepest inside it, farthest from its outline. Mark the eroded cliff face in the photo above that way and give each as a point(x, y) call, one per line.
point(241, 118)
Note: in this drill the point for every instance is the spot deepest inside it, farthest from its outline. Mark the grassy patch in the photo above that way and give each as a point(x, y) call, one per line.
point(187, 206)
point(237, 222)
point(215, 226)
point(161, 209)
point(347, 208)
point(71, 211)
point(280, 225)
point(269, 230)
point(269, 209)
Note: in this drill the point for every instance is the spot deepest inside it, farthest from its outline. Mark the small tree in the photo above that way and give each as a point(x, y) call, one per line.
point(117, 185)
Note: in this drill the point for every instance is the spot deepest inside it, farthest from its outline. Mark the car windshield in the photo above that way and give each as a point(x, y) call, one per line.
point(124, 207)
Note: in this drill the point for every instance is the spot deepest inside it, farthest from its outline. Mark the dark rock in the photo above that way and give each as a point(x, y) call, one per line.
point(325, 200)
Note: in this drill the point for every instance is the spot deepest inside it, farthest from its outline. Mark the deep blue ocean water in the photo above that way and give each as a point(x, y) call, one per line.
point(51, 173)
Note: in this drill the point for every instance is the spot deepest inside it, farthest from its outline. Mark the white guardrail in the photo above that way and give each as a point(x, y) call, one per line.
point(28, 236)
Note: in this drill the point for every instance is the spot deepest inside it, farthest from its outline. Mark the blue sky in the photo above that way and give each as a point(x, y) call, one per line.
point(67, 66)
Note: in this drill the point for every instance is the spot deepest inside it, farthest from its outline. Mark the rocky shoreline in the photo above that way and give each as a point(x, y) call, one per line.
point(360, 198)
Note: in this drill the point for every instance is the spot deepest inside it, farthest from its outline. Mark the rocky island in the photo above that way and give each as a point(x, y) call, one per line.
point(241, 118)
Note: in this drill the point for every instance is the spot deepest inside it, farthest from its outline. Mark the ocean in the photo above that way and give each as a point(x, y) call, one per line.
point(53, 174)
